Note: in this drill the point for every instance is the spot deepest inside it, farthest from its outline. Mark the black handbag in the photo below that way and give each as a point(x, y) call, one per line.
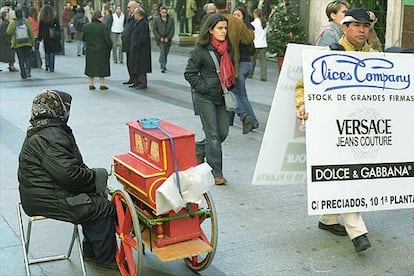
point(54, 32)
point(36, 60)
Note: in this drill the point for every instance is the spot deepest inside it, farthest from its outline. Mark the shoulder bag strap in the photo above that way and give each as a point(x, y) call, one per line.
point(213, 56)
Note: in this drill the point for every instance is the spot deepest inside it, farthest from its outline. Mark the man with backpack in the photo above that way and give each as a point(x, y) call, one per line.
point(22, 40)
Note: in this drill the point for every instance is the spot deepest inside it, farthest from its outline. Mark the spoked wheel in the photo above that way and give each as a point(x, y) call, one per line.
point(128, 235)
point(208, 227)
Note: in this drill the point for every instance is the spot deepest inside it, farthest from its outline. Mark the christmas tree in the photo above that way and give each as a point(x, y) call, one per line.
point(284, 28)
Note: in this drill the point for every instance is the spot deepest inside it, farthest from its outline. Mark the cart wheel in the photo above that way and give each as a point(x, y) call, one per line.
point(208, 226)
point(128, 235)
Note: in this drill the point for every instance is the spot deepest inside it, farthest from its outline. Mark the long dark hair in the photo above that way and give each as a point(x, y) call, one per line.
point(209, 23)
point(46, 14)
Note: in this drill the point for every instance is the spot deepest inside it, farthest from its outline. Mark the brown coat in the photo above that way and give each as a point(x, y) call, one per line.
point(237, 33)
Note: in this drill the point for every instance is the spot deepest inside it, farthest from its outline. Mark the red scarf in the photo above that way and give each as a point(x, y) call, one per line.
point(226, 65)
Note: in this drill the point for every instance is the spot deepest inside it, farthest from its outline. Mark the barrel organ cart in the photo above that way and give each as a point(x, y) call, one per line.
point(156, 152)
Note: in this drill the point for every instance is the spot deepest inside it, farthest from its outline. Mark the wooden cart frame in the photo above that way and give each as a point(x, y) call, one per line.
point(136, 229)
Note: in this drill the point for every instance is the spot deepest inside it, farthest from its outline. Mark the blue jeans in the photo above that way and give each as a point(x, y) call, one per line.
point(164, 50)
point(50, 61)
point(215, 121)
point(79, 44)
point(23, 53)
point(243, 104)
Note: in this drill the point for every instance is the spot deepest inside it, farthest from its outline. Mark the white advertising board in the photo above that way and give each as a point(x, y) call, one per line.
point(282, 156)
point(360, 131)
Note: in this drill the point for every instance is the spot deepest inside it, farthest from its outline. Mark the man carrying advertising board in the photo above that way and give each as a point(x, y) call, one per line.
point(355, 27)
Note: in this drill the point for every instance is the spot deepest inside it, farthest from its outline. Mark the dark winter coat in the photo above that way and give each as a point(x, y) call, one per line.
point(51, 172)
point(163, 29)
point(202, 75)
point(6, 52)
point(141, 48)
point(51, 45)
point(98, 45)
point(126, 35)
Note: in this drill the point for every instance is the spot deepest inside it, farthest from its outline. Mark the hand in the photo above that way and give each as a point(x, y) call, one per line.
point(301, 113)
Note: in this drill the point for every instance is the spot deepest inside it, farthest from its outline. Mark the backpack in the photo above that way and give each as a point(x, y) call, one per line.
point(80, 23)
point(21, 32)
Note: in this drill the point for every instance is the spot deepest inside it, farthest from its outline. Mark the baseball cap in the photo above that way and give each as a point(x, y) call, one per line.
point(358, 15)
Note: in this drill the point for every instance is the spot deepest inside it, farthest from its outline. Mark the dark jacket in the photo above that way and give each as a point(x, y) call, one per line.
point(51, 170)
point(51, 45)
point(201, 73)
point(98, 45)
point(6, 52)
point(126, 35)
point(141, 48)
point(163, 29)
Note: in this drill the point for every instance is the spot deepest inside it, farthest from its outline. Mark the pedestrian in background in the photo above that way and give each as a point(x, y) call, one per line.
point(7, 6)
point(34, 21)
point(117, 28)
point(98, 47)
point(260, 43)
point(355, 26)
point(140, 50)
point(65, 19)
point(89, 11)
point(163, 30)
point(23, 48)
point(6, 51)
point(207, 90)
point(335, 11)
point(79, 22)
point(244, 109)
point(126, 39)
point(237, 31)
point(48, 19)
point(107, 18)
point(55, 182)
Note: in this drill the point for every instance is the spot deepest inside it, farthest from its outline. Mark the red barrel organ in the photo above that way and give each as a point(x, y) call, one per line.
point(154, 155)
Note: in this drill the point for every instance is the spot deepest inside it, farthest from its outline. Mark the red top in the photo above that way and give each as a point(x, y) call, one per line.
point(35, 26)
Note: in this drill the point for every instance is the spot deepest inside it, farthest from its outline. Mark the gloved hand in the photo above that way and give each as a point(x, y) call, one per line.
point(101, 178)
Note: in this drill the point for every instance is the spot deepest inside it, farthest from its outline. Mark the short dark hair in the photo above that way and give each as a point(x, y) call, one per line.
point(220, 4)
point(19, 14)
point(96, 15)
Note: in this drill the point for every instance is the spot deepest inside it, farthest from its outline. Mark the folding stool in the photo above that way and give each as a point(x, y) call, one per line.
point(25, 241)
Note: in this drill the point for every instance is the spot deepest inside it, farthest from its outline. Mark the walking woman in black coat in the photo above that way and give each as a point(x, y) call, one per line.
point(48, 19)
point(206, 85)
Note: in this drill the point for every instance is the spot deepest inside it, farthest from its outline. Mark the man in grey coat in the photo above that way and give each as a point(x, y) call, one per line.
point(163, 33)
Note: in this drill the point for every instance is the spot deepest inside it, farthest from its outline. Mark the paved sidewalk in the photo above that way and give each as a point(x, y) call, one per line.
point(263, 230)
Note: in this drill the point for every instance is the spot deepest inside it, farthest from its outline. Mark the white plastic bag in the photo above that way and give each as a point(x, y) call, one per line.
point(194, 182)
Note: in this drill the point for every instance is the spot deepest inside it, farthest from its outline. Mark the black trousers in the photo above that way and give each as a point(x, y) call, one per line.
point(128, 62)
point(99, 240)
